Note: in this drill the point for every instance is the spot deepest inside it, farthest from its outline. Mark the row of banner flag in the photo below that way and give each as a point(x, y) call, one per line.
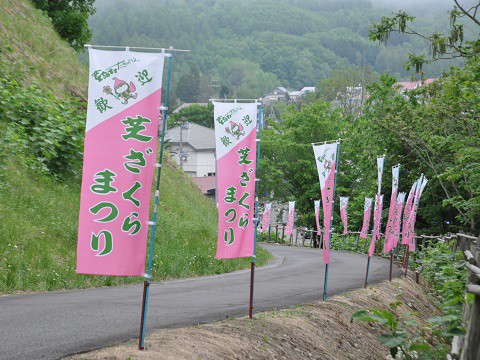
point(400, 223)
point(119, 160)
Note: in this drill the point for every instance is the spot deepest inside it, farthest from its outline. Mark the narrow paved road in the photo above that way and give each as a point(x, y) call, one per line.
point(56, 324)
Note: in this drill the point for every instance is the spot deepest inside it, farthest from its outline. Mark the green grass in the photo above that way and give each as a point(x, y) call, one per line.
point(38, 234)
point(34, 49)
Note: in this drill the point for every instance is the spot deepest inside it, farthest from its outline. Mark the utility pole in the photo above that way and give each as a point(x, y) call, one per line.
point(182, 154)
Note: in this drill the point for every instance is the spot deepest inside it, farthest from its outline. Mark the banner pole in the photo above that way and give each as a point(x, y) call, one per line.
point(391, 264)
point(366, 275)
point(325, 281)
point(153, 223)
point(255, 220)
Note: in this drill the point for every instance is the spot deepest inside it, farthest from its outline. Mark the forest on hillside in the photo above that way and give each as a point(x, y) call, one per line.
point(248, 48)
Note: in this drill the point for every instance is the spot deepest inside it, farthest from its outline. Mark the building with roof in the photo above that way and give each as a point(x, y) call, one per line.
point(206, 184)
point(193, 149)
point(410, 85)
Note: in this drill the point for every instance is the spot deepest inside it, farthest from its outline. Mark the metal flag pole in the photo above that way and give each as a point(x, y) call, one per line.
point(255, 220)
point(153, 223)
point(325, 281)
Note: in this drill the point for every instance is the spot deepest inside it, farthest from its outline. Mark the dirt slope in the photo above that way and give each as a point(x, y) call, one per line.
point(316, 331)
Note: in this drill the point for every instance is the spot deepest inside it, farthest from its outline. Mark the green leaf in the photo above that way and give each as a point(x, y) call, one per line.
point(391, 341)
point(364, 315)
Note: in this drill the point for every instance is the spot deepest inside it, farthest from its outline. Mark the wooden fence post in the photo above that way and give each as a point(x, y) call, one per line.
point(471, 346)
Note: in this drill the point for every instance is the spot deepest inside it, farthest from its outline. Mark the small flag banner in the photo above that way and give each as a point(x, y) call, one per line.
point(326, 159)
point(413, 213)
point(389, 230)
point(344, 213)
point(367, 214)
point(266, 217)
point(406, 212)
point(291, 218)
point(120, 149)
point(398, 218)
point(235, 137)
point(377, 222)
point(317, 216)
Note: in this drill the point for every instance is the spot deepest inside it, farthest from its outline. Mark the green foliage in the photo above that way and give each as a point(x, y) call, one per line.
point(44, 129)
point(250, 47)
point(39, 226)
point(69, 18)
point(446, 273)
point(449, 44)
point(197, 114)
point(397, 336)
point(287, 161)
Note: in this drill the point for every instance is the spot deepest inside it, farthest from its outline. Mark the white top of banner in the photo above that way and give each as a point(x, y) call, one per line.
point(233, 123)
point(343, 202)
point(368, 203)
point(325, 156)
point(380, 162)
point(118, 80)
point(395, 177)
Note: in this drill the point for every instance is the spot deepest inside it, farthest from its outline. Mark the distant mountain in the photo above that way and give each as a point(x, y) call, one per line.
point(250, 47)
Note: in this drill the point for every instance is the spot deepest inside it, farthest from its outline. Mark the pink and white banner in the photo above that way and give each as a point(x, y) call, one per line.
point(410, 234)
point(367, 214)
point(291, 218)
point(326, 159)
point(124, 96)
point(407, 211)
point(389, 230)
point(266, 217)
point(235, 136)
point(344, 213)
point(377, 222)
point(317, 216)
point(398, 218)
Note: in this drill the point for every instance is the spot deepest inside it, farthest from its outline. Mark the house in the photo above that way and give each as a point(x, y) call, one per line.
point(193, 149)
point(280, 93)
point(410, 85)
point(206, 184)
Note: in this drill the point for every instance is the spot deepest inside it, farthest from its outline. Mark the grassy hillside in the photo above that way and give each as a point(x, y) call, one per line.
point(31, 46)
point(42, 138)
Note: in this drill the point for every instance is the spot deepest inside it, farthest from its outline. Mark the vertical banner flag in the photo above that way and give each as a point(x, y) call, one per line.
point(377, 223)
point(413, 213)
point(344, 213)
point(377, 212)
point(317, 216)
point(326, 159)
point(389, 231)
point(266, 217)
point(291, 218)
point(406, 212)
point(367, 214)
point(398, 218)
point(235, 138)
point(124, 97)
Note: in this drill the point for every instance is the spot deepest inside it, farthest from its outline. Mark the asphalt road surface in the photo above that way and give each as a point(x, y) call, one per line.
point(55, 324)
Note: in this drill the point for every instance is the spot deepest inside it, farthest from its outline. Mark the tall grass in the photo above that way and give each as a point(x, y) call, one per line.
point(38, 234)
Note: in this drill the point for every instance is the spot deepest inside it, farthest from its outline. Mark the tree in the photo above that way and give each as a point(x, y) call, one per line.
point(442, 45)
point(346, 88)
point(435, 130)
point(287, 163)
point(188, 87)
point(197, 114)
point(69, 18)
